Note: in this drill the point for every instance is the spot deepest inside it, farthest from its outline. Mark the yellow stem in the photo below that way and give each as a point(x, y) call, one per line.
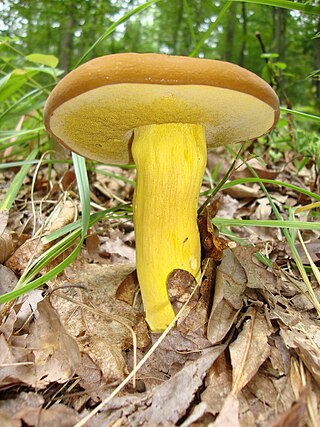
point(170, 161)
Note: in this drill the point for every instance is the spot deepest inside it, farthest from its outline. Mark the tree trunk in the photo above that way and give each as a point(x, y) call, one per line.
point(67, 41)
point(230, 27)
point(317, 66)
point(244, 35)
point(279, 18)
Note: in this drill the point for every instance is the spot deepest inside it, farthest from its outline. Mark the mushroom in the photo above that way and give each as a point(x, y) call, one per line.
point(160, 112)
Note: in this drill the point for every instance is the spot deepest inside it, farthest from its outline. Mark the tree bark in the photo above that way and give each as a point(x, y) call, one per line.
point(229, 38)
point(279, 18)
point(244, 34)
point(67, 41)
point(316, 54)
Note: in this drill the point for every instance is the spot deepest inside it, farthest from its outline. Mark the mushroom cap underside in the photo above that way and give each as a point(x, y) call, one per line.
point(95, 109)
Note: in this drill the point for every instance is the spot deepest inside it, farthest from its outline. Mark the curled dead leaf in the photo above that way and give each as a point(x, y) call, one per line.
point(231, 282)
point(213, 245)
point(6, 246)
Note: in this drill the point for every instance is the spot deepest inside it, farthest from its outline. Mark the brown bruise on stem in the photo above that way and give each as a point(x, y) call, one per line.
point(170, 160)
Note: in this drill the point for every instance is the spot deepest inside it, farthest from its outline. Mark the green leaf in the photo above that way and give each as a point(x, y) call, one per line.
point(84, 191)
point(301, 115)
point(298, 225)
point(269, 55)
point(48, 60)
point(12, 82)
point(280, 65)
point(286, 4)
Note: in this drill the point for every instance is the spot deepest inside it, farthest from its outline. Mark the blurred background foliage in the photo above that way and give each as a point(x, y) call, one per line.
point(67, 28)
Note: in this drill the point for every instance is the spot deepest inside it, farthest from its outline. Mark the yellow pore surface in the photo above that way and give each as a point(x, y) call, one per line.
point(170, 160)
point(98, 124)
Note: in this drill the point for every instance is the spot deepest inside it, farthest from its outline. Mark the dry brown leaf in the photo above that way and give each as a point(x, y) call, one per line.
point(171, 356)
point(229, 414)
point(4, 216)
point(64, 214)
point(212, 244)
point(258, 276)
point(242, 191)
point(304, 338)
point(266, 395)
point(28, 251)
point(6, 242)
point(8, 279)
point(196, 413)
point(128, 288)
point(292, 416)
point(6, 246)
point(7, 421)
point(231, 282)
point(56, 354)
point(117, 251)
point(23, 401)
point(166, 403)
point(27, 408)
point(95, 317)
point(180, 285)
point(250, 350)
point(258, 166)
point(92, 246)
point(55, 416)
point(33, 248)
point(313, 249)
point(15, 365)
point(218, 385)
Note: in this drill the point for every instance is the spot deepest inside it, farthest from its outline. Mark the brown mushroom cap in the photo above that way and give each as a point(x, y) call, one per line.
point(95, 108)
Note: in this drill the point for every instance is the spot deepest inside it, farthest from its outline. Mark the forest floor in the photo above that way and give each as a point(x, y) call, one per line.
point(249, 356)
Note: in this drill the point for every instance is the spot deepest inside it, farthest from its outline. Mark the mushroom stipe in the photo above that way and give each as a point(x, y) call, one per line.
point(172, 108)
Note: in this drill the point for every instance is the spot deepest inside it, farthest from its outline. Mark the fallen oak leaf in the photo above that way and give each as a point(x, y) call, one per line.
point(231, 282)
point(56, 354)
point(101, 324)
point(250, 350)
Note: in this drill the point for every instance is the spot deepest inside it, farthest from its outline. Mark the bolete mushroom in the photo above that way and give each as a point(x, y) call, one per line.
point(160, 112)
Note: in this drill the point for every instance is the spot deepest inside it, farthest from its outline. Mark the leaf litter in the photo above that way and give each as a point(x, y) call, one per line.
point(246, 355)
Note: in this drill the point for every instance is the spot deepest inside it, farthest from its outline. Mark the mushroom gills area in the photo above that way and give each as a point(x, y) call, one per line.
point(170, 161)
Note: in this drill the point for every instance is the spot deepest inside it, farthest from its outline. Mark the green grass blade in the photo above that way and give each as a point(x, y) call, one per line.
point(17, 182)
point(300, 115)
point(7, 135)
point(270, 181)
point(25, 288)
point(298, 225)
point(48, 256)
point(286, 4)
point(84, 191)
point(94, 218)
